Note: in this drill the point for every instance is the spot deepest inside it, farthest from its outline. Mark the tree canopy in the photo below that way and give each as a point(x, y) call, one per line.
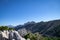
point(5, 28)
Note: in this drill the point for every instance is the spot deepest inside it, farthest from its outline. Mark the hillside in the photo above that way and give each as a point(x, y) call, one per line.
point(50, 28)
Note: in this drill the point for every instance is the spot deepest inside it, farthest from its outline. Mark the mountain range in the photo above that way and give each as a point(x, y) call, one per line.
point(48, 28)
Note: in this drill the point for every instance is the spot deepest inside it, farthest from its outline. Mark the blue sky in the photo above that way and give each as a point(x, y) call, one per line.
point(15, 12)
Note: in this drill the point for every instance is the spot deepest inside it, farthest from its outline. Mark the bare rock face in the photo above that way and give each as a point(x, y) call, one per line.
point(10, 35)
point(22, 32)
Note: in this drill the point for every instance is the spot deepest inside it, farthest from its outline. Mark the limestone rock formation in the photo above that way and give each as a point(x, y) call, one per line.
point(10, 35)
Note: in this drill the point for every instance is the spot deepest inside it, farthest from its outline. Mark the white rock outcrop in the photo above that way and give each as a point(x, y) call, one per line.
point(10, 35)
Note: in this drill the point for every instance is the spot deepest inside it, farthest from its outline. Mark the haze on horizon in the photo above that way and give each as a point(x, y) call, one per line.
point(15, 12)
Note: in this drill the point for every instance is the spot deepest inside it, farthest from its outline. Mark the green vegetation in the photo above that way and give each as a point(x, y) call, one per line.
point(11, 29)
point(32, 36)
point(37, 36)
point(5, 28)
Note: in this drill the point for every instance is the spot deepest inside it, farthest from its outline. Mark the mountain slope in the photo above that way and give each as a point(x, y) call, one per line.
point(51, 28)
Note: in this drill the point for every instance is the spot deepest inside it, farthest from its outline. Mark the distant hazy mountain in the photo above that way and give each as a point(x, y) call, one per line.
point(11, 26)
point(50, 28)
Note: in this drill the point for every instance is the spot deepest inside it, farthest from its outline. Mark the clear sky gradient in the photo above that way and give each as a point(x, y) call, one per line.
point(15, 12)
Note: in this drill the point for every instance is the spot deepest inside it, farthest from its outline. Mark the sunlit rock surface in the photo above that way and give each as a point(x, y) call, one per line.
point(22, 32)
point(10, 35)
